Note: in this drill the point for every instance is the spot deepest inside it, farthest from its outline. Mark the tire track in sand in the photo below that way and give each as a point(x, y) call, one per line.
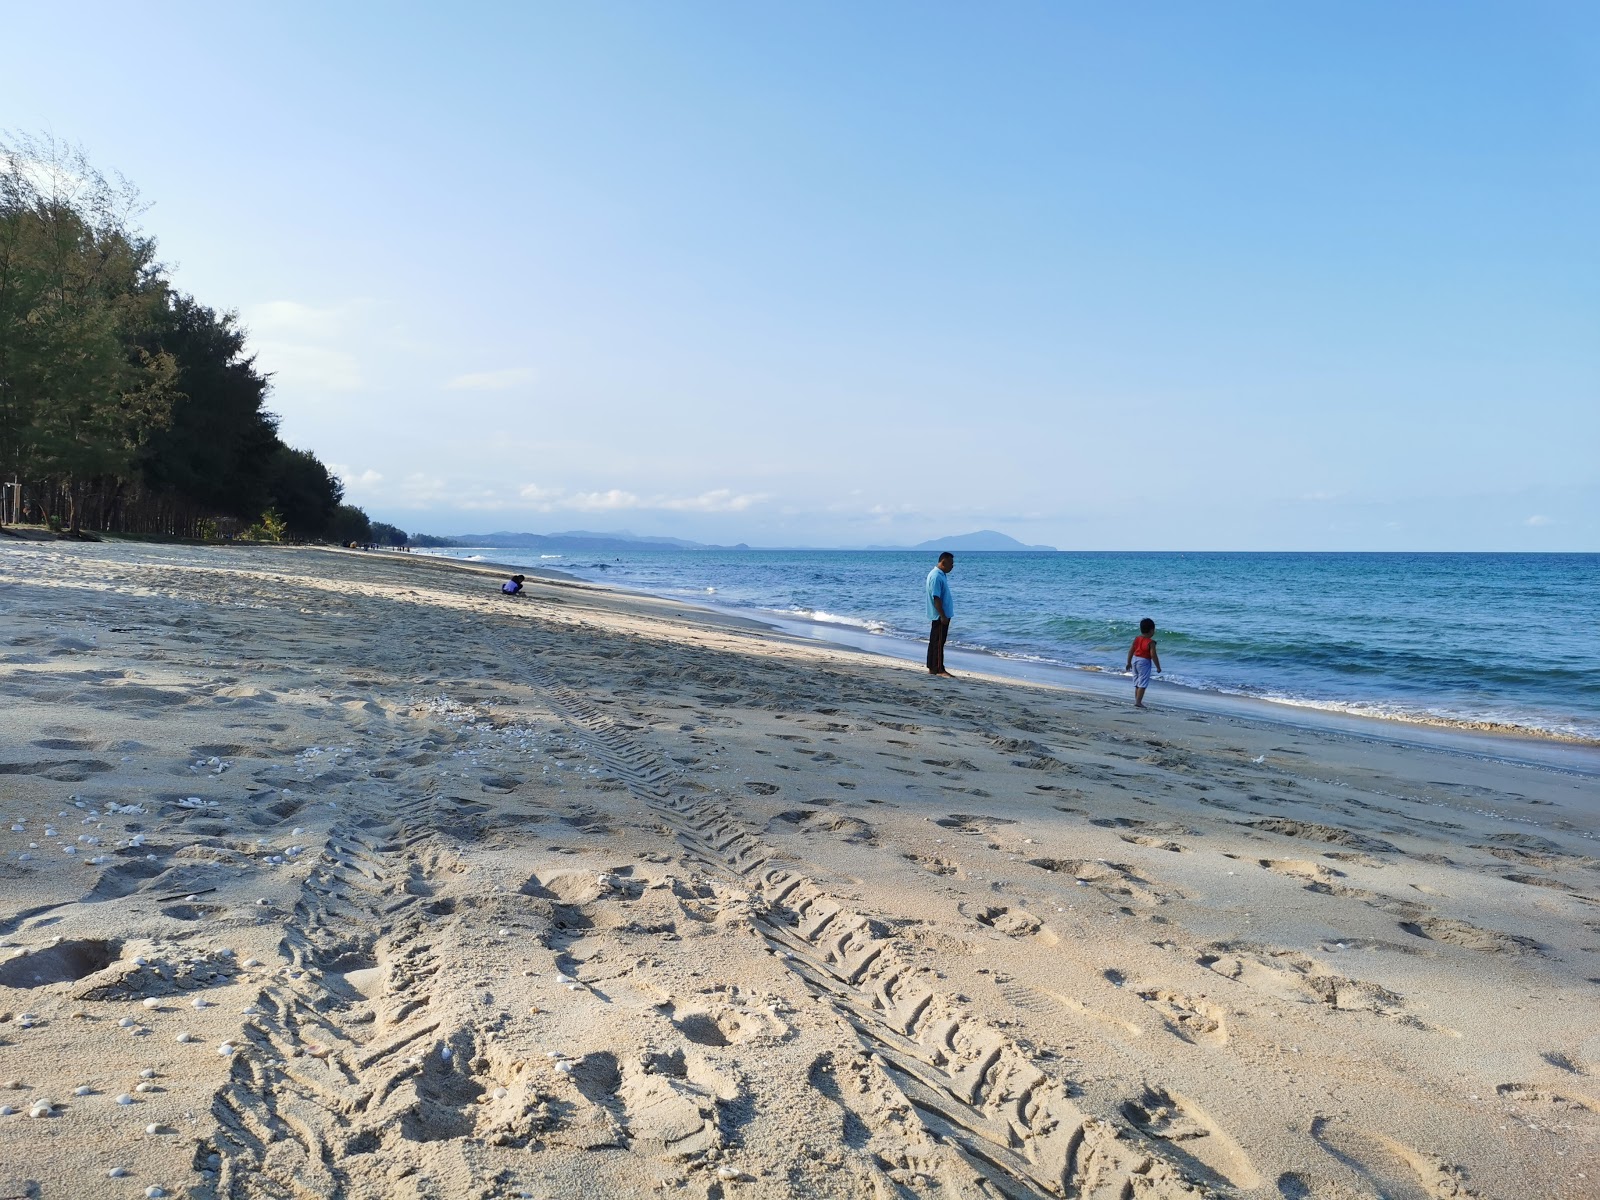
point(306, 1091)
point(1020, 1129)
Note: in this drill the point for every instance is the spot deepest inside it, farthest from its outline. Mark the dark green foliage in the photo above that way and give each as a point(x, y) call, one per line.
point(304, 491)
point(125, 405)
point(216, 449)
point(349, 524)
point(388, 535)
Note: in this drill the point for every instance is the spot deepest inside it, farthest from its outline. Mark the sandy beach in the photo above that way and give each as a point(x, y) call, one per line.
point(337, 874)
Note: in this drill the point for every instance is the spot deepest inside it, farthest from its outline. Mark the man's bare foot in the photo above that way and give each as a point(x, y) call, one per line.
point(1138, 706)
point(947, 674)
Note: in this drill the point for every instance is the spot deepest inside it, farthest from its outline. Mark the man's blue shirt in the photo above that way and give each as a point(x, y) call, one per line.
point(939, 585)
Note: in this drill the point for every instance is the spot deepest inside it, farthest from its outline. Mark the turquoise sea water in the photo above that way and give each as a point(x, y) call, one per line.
point(1474, 639)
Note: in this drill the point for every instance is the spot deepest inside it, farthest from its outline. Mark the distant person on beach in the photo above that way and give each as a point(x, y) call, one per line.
point(1141, 656)
point(941, 607)
point(513, 586)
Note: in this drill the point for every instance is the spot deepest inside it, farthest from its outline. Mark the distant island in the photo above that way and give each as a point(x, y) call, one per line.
point(984, 539)
point(620, 540)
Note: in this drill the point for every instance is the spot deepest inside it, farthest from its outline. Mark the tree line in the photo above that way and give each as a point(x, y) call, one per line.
point(126, 405)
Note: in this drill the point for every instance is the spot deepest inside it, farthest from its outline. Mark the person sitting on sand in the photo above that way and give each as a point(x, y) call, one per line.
point(1140, 657)
point(513, 586)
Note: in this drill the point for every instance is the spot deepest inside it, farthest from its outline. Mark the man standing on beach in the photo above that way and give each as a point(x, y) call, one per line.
point(941, 607)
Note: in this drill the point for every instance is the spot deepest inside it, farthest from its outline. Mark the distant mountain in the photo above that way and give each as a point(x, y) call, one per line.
point(984, 539)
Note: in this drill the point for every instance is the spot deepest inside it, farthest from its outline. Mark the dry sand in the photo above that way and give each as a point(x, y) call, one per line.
point(587, 894)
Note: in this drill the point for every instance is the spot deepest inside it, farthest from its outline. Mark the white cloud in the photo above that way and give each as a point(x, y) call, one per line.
point(1539, 520)
point(289, 318)
point(491, 381)
point(718, 500)
point(612, 501)
point(353, 480)
point(301, 345)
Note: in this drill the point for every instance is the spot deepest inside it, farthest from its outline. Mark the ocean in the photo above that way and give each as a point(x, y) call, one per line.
point(1470, 640)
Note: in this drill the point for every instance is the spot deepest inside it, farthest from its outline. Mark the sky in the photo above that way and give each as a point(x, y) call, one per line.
point(1160, 276)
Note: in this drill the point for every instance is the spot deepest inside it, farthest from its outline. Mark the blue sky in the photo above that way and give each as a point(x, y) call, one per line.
point(1231, 276)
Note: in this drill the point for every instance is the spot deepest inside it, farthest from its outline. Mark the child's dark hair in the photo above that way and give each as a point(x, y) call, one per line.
point(1147, 627)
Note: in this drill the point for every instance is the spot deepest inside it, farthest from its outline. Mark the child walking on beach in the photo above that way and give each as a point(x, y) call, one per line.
point(1141, 655)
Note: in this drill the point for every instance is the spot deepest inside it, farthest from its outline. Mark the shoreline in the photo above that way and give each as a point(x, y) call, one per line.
point(1509, 743)
point(338, 871)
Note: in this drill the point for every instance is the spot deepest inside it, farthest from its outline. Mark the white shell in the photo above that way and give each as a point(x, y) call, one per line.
point(154, 1192)
point(41, 1110)
point(127, 1022)
point(200, 1002)
point(145, 1086)
point(151, 1002)
point(148, 1073)
point(225, 1049)
point(186, 1036)
point(564, 1067)
point(153, 1129)
point(124, 1099)
point(85, 1090)
point(117, 1173)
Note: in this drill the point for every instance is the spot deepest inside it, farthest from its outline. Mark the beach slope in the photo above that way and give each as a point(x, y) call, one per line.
point(334, 874)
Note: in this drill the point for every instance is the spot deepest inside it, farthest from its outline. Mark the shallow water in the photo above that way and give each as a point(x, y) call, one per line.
point(1472, 639)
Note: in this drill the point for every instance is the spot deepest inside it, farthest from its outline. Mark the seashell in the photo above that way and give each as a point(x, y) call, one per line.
point(564, 1067)
point(124, 1099)
point(7, 1111)
point(85, 1090)
point(505, 933)
point(117, 1173)
point(148, 1073)
point(199, 1002)
point(446, 1053)
point(146, 1087)
point(226, 1049)
point(154, 1192)
point(224, 953)
point(127, 1022)
point(186, 1036)
point(252, 962)
point(41, 1108)
point(153, 1129)
point(151, 1002)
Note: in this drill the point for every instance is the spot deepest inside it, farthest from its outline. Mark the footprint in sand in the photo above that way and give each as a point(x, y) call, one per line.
point(1191, 1135)
point(1192, 1018)
point(1472, 937)
point(1013, 922)
point(1389, 1167)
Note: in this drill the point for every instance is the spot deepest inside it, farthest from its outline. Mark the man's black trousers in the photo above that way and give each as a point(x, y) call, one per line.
point(936, 637)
